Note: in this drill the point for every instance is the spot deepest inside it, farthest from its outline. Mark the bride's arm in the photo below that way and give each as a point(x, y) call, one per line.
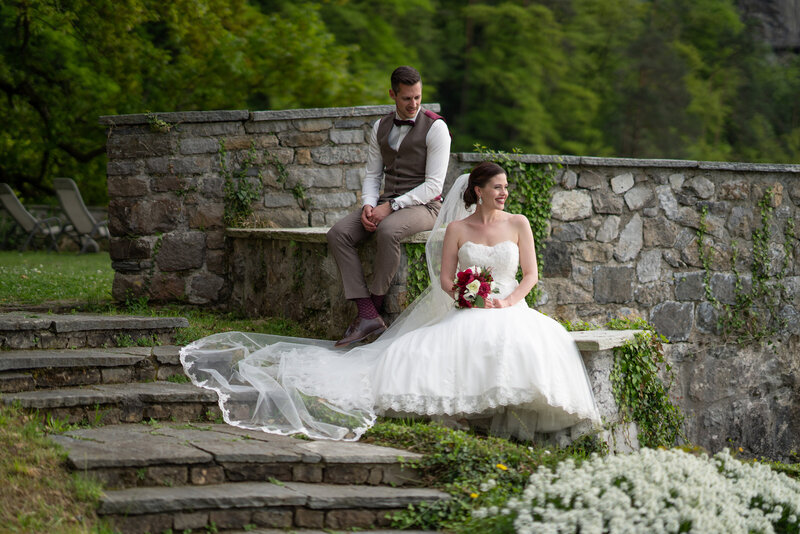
point(449, 258)
point(527, 261)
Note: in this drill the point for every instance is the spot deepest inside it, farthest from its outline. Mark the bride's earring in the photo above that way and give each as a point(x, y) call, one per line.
point(480, 200)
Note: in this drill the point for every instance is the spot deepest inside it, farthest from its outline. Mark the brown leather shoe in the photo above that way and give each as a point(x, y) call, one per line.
point(361, 329)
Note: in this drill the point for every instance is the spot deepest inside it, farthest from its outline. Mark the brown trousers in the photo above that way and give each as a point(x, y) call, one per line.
point(345, 236)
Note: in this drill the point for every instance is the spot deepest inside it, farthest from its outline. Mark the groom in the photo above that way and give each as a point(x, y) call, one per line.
point(408, 151)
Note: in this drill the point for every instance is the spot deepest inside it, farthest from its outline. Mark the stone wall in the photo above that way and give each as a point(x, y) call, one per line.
point(166, 186)
point(622, 243)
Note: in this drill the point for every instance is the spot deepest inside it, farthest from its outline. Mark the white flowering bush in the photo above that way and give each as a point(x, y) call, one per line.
point(651, 491)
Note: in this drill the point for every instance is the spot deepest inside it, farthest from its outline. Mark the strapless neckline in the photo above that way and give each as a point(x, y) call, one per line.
point(488, 246)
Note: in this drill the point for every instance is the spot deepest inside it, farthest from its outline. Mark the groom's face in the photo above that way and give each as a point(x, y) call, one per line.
point(407, 99)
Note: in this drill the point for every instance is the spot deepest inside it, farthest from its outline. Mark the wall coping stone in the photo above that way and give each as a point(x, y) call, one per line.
point(589, 161)
point(176, 117)
point(313, 234)
point(599, 340)
point(255, 116)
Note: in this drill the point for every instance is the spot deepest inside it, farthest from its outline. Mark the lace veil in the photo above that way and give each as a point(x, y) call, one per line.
point(288, 385)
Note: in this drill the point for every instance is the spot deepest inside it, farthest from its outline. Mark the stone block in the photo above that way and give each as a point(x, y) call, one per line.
point(146, 217)
point(740, 222)
point(648, 268)
point(116, 375)
point(630, 240)
point(354, 178)
point(307, 473)
point(181, 250)
point(293, 138)
point(569, 180)
point(309, 518)
point(689, 286)
point(302, 156)
point(165, 287)
point(346, 137)
point(594, 252)
point(279, 200)
point(568, 232)
point(622, 183)
point(700, 186)
point(192, 164)
point(673, 320)
point(199, 145)
point(205, 287)
point(207, 216)
point(212, 187)
point(311, 177)
point(203, 475)
point(339, 155)
point(346, 474)
point(639, 197)
point(273, 518)
point(228, 519)
point(723, 286)
point(652, 293)
point(127, 286)
point(676, 181)
point(668, 202)
point(313, 125)
point(606, 202)
point(127, 186)
point(571, 205)
point(142, 523)
point(139, 146)
point(125, 248)
point(350, 519)
point(556, 260)
point(212, 129)
point(190, 520)
point(333, 201)
point(609, 229)
point(659, 232)
point(613, 284)
point(707, 318)
point(216, 261)
point(124, 166)
point(592, 180)
point(215, 239)
point(270, 126)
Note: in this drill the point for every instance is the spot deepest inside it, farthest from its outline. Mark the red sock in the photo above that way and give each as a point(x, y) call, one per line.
point(377, 300)
point(366, 309)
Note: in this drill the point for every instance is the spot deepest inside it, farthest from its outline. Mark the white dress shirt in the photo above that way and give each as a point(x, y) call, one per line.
point(438, 143)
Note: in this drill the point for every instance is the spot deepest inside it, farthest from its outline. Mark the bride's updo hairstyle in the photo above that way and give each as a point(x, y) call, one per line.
point(479, 177)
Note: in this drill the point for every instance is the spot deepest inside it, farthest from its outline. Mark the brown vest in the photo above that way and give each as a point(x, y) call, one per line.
point(404, 169)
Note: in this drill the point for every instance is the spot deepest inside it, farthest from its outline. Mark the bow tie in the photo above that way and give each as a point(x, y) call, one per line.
point(398, 122)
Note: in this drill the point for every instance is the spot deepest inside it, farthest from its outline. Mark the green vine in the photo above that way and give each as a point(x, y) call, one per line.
point(418, 278)
point(240, 193)
point(299, 191)
point(159, 125)
point(754, 315)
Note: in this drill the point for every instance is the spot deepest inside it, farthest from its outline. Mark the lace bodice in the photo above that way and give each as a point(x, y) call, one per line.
point(503, 258)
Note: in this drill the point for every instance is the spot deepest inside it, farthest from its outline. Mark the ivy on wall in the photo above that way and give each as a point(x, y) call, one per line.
point(755, 314)
point(240, 193)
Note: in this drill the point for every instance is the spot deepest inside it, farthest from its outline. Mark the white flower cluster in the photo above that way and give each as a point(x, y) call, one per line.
point(655, 491)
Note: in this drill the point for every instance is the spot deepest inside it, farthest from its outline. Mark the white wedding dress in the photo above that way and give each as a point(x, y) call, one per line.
point(513, 370)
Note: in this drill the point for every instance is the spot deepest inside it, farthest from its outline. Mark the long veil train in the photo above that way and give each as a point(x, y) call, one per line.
point(291, 385)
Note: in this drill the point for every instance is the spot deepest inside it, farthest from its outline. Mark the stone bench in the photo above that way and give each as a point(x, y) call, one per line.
point(290, 272)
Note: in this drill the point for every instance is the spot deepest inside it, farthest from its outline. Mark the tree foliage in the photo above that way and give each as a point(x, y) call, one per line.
point(653, 78)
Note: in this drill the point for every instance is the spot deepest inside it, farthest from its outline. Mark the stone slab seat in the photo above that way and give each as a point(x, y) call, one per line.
point(131, 455)
point(311, 234)
point(332, 506)
point(23, 330)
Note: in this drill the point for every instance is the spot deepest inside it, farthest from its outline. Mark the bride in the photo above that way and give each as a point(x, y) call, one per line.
point(505, 367)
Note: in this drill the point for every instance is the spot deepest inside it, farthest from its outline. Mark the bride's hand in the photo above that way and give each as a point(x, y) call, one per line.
point(496, 303)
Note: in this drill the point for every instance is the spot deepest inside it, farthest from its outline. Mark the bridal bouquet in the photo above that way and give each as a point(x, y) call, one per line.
point(473, 285)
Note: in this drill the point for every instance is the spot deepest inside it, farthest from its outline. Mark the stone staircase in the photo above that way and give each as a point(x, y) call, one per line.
point(158, 445)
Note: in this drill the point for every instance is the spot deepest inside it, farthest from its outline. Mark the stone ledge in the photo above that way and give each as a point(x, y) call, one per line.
point(598, 340)
point(86, 322)
point(325, 113)
point(311, 234)
point(176, 117)
point(472, 157)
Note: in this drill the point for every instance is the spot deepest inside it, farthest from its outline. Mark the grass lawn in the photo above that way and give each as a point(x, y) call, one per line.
point(35, 278)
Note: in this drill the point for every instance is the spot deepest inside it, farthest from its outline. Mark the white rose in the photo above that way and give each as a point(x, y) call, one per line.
point(473, 287)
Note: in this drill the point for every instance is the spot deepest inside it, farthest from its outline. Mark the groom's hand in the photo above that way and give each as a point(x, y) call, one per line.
point(380, 212)
point(366, 219)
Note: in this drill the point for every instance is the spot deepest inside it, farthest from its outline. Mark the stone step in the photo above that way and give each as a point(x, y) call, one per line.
point(141, 455)
point(258, 504)
point(326, 531)
point(25, 330)
point(121, 403)
point(56, 368)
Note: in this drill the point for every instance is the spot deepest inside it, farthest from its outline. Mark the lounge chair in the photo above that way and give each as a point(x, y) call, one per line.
point(50, 228)
point(83, 228)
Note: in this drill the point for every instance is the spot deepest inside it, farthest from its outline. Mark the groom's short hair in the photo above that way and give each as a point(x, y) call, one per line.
point(405, 75)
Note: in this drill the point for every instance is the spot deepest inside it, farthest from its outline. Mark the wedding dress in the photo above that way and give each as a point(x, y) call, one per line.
point(514, 369)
